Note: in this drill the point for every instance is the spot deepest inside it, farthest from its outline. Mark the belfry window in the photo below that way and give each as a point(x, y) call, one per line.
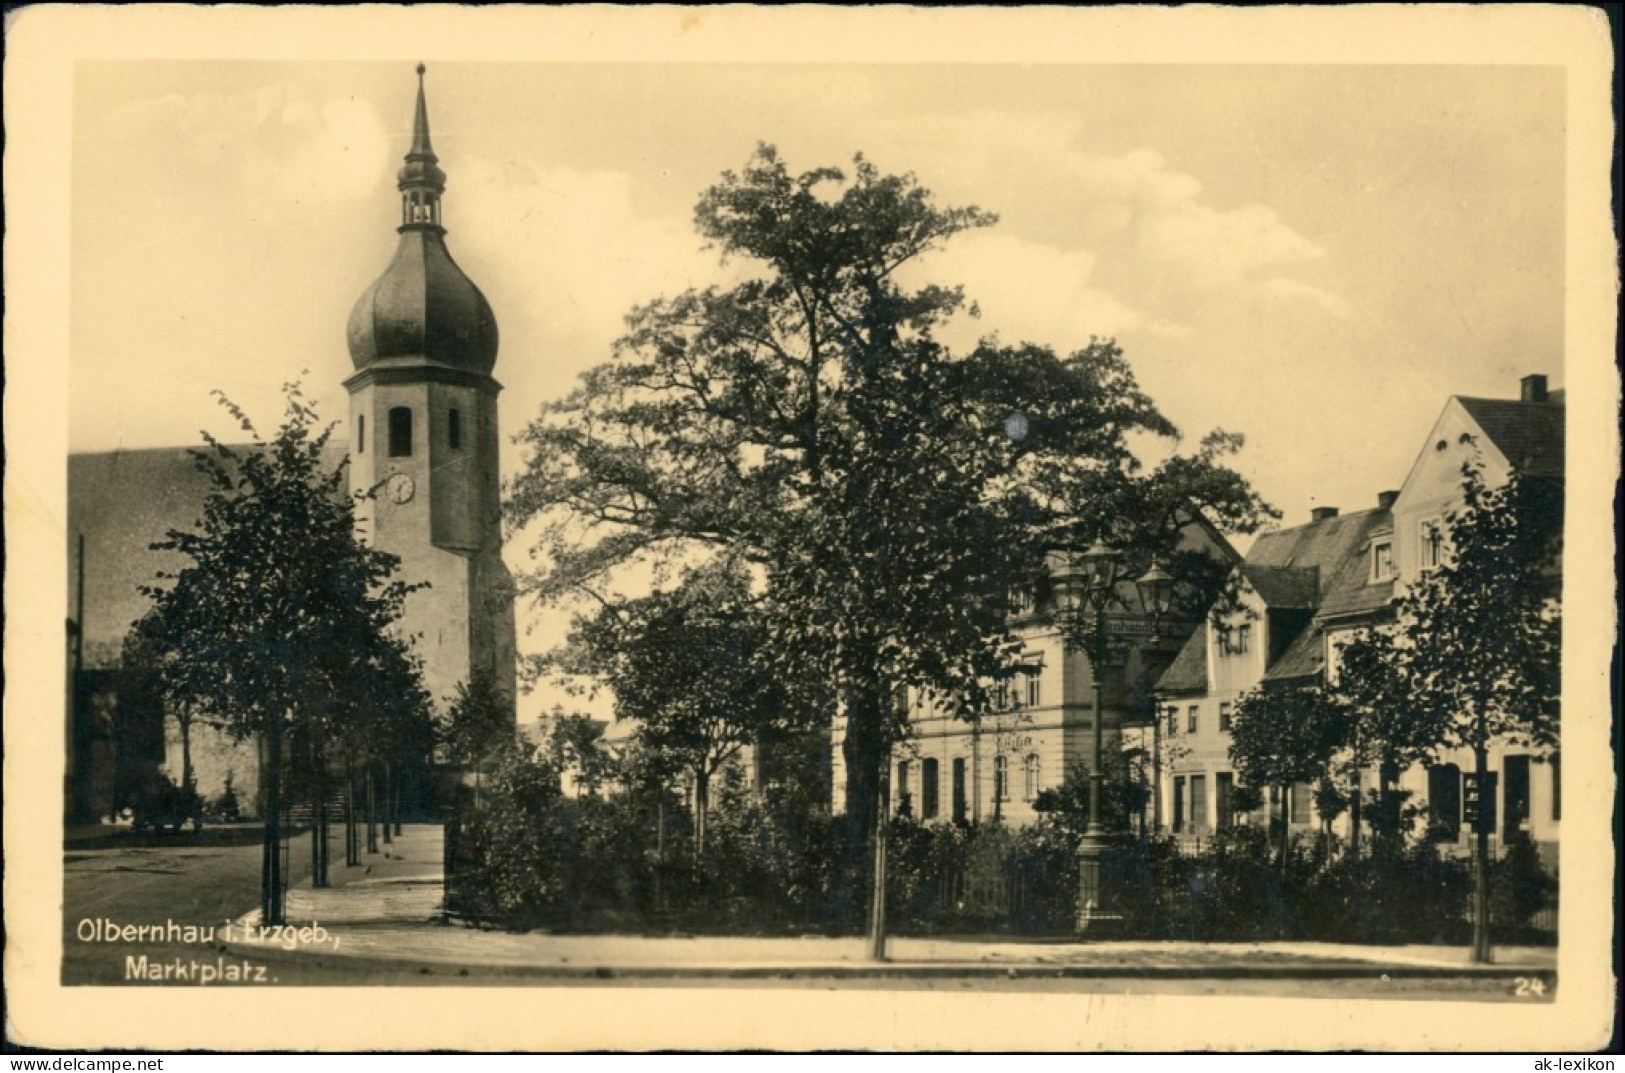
point(454, 430)
point(400, 432)
point(361, 434)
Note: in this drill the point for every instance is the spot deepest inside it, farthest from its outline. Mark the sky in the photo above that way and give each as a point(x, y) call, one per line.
point(1313, 256)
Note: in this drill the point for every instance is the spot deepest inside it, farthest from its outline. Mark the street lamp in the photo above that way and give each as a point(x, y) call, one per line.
point(1100, 567)
point(1156, 587)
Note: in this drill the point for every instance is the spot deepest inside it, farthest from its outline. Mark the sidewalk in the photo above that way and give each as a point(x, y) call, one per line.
point(388, 910)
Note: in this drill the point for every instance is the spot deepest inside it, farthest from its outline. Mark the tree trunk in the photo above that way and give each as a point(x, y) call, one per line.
point(318, 815)
point(352, 836)
point(186, 751)
point(1482, 953)
point(271, 901)
point(1354, 814)
point(389, 795)
point(1286, 825)
point(702, 809)
point(372, 812)
point(877, 902)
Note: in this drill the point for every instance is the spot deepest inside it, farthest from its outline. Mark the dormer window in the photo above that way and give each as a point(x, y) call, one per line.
point(1382, 560)
point(1236, 640)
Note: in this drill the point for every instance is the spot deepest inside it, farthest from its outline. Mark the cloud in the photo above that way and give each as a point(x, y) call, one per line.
point(275, 140)
point(1026, 291)
point(1286, 289)
point(1135, 211)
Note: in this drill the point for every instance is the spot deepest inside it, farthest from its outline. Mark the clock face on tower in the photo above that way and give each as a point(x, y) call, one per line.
point(400, 487)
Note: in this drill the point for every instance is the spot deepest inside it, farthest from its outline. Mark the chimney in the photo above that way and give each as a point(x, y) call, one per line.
point(1386, 500)
point(1534, 388)
point(1320, 514)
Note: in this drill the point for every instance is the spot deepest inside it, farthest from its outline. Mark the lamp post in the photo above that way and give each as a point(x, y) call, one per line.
point(1101, 569)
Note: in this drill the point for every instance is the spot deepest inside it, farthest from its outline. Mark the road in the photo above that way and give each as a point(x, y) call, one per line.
point(203, 885)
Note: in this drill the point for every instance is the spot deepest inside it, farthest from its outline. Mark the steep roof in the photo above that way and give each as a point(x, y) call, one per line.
point(1305, 657)
point(1529, 434)
point(121, 502)
point(1284, 586)
point(1188, 672)
point(1322, 566)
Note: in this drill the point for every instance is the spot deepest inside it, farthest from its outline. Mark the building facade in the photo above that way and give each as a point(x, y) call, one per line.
point(957, 768)
point(1305, 591)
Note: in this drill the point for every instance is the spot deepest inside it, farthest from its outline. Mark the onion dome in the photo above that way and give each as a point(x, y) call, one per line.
point(423, 307)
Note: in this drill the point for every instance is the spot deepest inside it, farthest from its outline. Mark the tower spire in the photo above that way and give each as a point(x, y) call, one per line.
point(421, 181)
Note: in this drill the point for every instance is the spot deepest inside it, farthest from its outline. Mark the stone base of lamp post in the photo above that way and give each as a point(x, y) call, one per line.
point(1099, 912)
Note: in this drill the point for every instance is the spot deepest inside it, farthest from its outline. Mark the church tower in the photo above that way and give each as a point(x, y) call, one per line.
point(423, 425)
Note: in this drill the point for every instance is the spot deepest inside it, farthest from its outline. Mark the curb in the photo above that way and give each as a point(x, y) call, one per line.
point(934, 970)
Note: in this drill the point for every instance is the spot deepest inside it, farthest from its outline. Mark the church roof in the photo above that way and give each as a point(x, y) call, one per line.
point(121, 502)
point(424, 308)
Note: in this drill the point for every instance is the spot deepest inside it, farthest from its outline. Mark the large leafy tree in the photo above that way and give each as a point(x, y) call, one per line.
point(280, 617)
point(1482, 660)
point(888, 493)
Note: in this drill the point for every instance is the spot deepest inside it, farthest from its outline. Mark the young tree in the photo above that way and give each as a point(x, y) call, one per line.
point(690, 666)
point(1282, 734)
point(807, 420)
point(1383, 728)
point(1483, 634)
point(477, 724)
point(278, 606)
point(576, 745)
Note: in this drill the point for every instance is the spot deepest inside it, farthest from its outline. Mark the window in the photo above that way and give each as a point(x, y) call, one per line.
point(928, 790)
point(361, 434)
point(1198, 802)
point(959, 789)
point(905, 805)
point(1223, 784)
point(1173, 719)
point(1430, 541)
point(1444, 802)
point(1224, 717)
point(1517, 791)
point(1034, 691)
point(1382, 560)
point(1179, 803)
point(1191, 714)
point(1236, 640)
point(400, 432)
point(1298, 806)
point(454, 430)
point(1029, 777)
point(1001, 778)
